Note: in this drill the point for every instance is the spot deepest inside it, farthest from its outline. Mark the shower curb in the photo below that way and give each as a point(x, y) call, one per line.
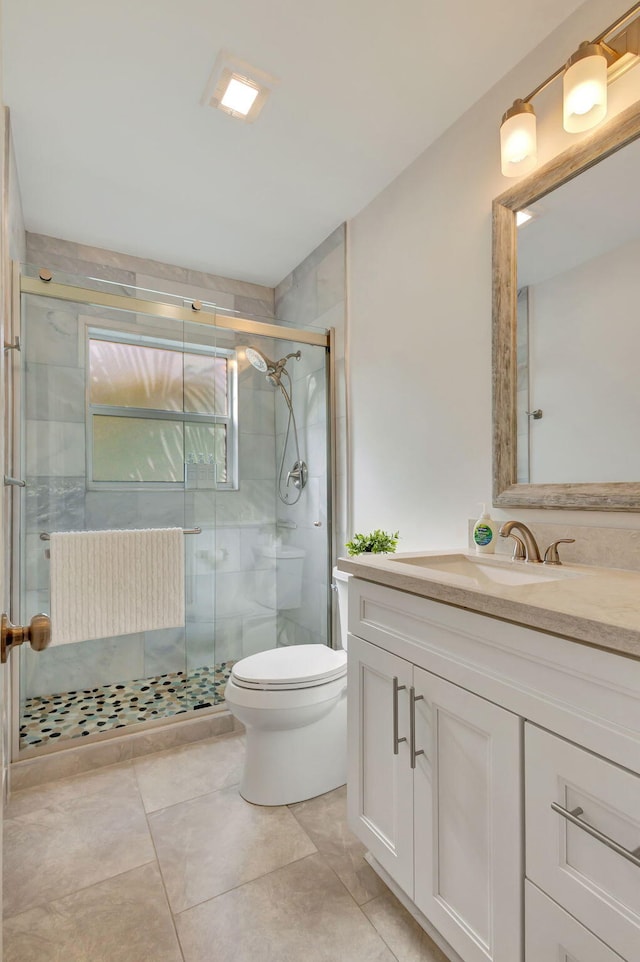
point(50, 767)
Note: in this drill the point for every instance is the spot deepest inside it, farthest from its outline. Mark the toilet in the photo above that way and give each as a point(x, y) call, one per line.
point(293, 704)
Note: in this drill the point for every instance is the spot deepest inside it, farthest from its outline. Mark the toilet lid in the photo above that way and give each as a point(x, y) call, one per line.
point(295, 666)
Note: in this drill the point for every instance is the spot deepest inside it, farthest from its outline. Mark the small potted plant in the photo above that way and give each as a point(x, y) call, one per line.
point(377, 542)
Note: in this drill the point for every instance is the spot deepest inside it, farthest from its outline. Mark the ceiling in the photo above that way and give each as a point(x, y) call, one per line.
point(115, 150)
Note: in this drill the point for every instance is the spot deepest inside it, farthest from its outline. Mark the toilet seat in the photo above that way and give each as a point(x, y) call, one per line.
point(291, 667)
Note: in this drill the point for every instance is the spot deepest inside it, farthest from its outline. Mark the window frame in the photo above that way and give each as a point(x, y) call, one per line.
point(125, 335)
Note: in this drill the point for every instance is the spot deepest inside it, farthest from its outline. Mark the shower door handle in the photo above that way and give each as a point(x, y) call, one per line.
point(37, 633)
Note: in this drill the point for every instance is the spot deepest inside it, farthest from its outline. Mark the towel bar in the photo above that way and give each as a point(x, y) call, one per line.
point(44, 536)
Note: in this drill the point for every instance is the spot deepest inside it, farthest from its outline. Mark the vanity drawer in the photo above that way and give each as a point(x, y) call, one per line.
point(584, 874)
point(552, 934)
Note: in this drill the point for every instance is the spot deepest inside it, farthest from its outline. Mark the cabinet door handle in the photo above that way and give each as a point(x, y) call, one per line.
point(396, 740)
point(413, 698)
point(573, 817)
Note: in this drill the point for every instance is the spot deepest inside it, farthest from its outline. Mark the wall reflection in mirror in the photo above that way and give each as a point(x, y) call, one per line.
point(578, 328)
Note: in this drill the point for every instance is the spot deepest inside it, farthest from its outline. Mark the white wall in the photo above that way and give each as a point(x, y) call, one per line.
point(420, 314)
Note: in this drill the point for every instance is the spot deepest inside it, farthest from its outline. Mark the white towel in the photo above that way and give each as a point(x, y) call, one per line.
point(106, 583)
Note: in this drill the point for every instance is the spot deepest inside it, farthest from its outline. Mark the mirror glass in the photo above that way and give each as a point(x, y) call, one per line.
point(578, 328)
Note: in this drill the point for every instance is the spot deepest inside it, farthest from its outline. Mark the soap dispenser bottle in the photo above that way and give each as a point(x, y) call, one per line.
point(484, 533)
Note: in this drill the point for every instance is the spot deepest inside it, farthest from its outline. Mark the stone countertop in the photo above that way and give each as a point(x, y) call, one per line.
point(595, 606)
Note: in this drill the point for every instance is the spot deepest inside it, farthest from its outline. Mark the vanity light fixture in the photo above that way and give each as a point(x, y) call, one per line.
point(584, 88)
point(584, 85)
point(237, 88)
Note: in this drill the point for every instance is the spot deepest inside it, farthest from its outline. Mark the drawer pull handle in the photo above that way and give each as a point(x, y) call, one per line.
point(396, 740)
point(573, 817)
point(413, 698)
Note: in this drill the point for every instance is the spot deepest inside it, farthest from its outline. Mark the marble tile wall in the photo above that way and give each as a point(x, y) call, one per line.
point(80, 259)
point(225, 567)
point(224, 621)
point(315, 294)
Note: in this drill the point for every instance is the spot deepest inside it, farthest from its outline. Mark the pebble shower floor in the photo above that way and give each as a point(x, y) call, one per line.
point(73, 714)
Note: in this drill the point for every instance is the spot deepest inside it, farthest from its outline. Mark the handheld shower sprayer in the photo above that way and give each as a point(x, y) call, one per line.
point(273, 371)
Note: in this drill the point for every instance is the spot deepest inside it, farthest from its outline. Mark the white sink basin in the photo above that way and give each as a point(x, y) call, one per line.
point(485, 571)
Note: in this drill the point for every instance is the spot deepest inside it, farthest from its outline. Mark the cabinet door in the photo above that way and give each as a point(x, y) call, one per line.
point(467, 820)
point(380, 782)
point(552, 935)
point(583, 837)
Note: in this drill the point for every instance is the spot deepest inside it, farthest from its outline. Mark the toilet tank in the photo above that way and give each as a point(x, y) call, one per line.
point(341, 580)
point(286, 563)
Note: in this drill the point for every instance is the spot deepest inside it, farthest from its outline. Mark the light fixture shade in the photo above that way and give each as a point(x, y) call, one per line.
point(518, 144)
point(584, 89)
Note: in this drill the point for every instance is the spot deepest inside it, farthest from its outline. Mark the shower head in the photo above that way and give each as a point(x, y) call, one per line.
point(259, 360)
point(272, 369)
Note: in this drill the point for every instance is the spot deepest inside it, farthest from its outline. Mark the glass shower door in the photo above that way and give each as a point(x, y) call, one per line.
point(103, 448)
point(272, 532)
point(144, 420)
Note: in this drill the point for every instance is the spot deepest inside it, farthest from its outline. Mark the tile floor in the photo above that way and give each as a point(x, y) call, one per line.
point(160, 860)
point(74, 714)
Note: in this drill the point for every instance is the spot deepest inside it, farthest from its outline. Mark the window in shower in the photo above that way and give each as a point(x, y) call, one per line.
point(159, 413)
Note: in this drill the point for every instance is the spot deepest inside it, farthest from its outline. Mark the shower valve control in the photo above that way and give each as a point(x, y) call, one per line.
point(298, 475)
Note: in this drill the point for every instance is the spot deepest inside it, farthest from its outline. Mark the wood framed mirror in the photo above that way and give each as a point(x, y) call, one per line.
point(565, 409)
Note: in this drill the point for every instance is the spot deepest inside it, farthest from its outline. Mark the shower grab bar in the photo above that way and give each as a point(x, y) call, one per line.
point(44, 536)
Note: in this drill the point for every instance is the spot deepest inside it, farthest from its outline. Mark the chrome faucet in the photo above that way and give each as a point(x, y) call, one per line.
point(526, 547)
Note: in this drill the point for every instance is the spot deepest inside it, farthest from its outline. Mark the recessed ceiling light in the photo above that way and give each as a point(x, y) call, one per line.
point(237, 88)
point(239, 96)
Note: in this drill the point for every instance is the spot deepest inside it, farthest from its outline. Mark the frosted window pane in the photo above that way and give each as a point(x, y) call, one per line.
point(205, 384)
point(128, 375)
point(137, 449)
point(207, 442)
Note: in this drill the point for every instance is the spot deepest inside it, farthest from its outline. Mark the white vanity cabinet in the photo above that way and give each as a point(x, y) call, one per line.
point(583, 837)
point(552, 935)
point(434, 788)
point(470, 739)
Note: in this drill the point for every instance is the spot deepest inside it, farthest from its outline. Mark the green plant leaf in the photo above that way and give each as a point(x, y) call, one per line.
point(377, 542)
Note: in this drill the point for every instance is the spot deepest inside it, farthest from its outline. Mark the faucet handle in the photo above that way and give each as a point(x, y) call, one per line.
point(551, 556)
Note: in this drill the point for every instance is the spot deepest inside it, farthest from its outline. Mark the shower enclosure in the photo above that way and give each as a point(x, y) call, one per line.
point(140, 410)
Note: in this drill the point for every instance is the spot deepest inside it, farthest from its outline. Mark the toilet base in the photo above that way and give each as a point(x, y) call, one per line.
point(283, 767)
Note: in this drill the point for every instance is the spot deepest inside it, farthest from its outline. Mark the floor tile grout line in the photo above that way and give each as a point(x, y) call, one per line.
point(191, 798)
point(359, 906)
point(346, 888)
point(64, 803)
point(83, 888)
point(379, 934)
point(234, 888)
point(160, 872)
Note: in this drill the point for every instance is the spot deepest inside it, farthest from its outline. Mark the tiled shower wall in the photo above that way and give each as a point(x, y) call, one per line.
point(314, 294)
point(223, 562)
